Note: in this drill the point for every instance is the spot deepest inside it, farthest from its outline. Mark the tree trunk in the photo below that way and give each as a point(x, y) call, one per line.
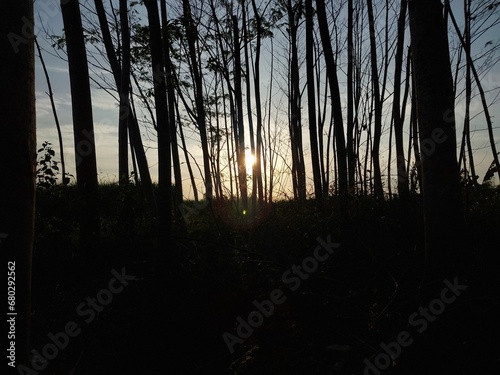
point(191, 35)
point(313, 133)
point(350, 98)
point(481, 93)
point(377, 176)
point(83, 124)
point(258, 147)
point(124, 101)
point(171, 82)
point(242, 173)
point(54, 112)
point(298, 167)
point(396, 109)
point(444, 223)
point(160, 93)
point(331, 68)
point(18, 145)
point(134, 132)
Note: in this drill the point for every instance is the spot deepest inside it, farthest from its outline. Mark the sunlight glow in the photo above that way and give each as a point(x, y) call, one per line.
point(249, 161)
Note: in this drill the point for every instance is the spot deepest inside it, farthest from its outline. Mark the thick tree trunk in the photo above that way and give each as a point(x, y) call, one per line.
point(445, 238)
point(83, 124)
point(18, 145)
point(164, 155)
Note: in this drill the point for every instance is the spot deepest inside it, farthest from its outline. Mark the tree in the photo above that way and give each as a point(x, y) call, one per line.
point(192, 35)
point(396, 108)
point(124, 92)
point(257, 170)
point(242, 174)
point(444, 224)
point(313, 132)
point(134, 133)
point(350, 96)
point(295, 13)
point(83, 125)
point(377, 99)
point(18, 145)
point(160, 96)
point(331, 68)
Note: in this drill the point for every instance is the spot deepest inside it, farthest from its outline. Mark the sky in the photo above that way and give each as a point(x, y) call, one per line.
point(105, 110)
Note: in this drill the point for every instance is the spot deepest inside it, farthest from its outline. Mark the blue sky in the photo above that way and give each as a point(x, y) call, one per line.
point(105, 109)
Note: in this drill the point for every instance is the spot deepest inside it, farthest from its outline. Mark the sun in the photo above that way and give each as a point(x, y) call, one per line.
point(249, 161)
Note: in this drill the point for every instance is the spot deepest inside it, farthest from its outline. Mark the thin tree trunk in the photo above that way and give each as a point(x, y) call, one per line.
point(331, 68)
point(186, 156)
point(134, 132)
point(249, 101)
point(242, 173)
point(376, 173)
point(123, 170)
point(350, 98)
point(191, 34)
point(481, 93)
point(258, 147)
point(396, 110)
point(171, 82)
point(54, 111)
point(313, 134)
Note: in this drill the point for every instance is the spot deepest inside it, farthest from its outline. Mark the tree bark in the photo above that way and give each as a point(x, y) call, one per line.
point(444, 224)
point(83, 124)
point(18, 145)
point(160, 93)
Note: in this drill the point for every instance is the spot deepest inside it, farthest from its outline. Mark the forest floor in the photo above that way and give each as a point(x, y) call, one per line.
point(228, 297)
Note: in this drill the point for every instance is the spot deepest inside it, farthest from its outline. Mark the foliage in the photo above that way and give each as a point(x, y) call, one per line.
point(47, 169)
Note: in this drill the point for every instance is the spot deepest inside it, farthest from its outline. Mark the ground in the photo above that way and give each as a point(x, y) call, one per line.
point(187, 309)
